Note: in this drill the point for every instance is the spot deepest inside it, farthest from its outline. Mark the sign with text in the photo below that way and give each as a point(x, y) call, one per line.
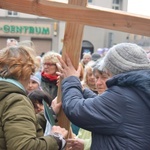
point(25, 29)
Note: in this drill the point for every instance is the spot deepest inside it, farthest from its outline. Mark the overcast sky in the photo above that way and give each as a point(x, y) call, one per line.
point(139, 7)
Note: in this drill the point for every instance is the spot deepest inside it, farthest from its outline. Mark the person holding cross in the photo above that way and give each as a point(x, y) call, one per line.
point(83, 140)
point(119, 117)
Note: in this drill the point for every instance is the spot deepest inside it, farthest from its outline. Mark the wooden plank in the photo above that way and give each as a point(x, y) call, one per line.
point(89, 15)
point(72, 46)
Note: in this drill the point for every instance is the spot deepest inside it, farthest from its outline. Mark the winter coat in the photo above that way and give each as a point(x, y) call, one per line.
point(49, 86)
point(19, 128)
point(119, 119)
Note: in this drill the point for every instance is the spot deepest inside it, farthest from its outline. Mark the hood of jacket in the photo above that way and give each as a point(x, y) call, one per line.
point(8, 88)
point(139, 81)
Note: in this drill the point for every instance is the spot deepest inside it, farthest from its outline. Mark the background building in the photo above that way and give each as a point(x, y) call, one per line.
point(22, 27)
point(47, 34)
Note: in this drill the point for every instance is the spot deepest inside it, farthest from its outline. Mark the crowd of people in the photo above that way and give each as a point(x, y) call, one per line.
point(106, 100)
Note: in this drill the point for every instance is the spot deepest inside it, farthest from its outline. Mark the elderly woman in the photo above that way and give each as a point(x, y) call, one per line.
point(118, 118)
point(83, 139)
point(19, 128)
point(49, 76)
point(89, 78)
point(87, 57)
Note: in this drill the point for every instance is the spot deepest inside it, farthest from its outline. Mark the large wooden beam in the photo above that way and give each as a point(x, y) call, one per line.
point(89, 15)
point(72, 46)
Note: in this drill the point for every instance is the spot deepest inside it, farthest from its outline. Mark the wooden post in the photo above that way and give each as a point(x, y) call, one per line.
point(72, 46)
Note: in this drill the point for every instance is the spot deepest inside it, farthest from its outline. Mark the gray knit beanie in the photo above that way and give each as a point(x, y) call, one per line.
point(126, 57)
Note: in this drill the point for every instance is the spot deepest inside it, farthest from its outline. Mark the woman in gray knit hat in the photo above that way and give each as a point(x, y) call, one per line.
point(119, 119)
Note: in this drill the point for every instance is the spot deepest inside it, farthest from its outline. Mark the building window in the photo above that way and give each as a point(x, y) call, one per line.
point(110, 39)
point(12, 13)
point(117, 4)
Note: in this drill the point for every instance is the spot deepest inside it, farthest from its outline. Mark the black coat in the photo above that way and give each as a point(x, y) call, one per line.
point(119, 119)
point(49, 87)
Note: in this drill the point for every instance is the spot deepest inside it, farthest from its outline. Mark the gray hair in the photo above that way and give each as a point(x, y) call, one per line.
point(99, 66)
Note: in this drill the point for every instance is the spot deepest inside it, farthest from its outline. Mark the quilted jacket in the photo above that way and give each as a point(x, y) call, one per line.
point(119, 119)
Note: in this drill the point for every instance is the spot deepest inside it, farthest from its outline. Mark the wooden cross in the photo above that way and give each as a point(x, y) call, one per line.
point(88, 15)
point(77, 13)
point(71, 46)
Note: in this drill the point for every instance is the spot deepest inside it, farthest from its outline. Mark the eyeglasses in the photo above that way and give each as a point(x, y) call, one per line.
point(49, 64)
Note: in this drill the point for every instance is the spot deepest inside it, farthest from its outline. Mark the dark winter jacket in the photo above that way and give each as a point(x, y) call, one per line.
point(119, 119)
point(19, 128)
point(49, 86)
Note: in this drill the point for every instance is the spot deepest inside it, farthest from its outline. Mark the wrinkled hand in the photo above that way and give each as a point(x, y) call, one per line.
point(56, 106)
point(58, 129)
point(66, 69)
point(75, 144)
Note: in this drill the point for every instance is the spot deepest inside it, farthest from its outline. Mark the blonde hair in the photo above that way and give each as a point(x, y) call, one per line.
point(16, 62)
point(12, 42)
point(27, 43)
point(87, 69)
point(31, 45)
point(87, 54)
point(51, 56)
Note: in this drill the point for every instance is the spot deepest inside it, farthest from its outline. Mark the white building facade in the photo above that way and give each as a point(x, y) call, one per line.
point(47, 34)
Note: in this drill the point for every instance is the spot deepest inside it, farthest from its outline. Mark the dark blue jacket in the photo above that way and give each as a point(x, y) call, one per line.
point(119, 119)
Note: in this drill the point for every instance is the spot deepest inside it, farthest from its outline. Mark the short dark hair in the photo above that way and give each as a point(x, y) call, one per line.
point(39, 95)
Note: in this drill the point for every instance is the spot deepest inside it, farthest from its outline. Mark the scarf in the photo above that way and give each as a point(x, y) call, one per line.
point(49, 76)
